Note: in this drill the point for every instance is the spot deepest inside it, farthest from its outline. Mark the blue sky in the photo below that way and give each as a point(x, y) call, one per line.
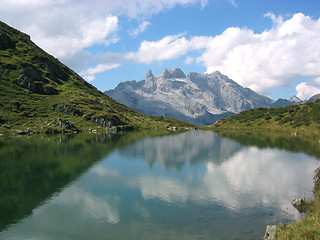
point(271, 46)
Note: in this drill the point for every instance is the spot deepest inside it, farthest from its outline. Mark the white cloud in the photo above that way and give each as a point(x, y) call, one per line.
point(305, 90)
point(274, 58)
point(89, 74)
point(169, 47)
point(65, 28)
point(189, 60)
point(142, 27)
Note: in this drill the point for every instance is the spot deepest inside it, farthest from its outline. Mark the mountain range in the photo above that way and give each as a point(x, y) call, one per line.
point(200, 99)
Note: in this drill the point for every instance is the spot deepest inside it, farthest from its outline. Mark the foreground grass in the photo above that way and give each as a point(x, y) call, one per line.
point(309, 227)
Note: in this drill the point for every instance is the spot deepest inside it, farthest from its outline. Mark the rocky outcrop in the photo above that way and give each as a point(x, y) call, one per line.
point(66, 124)
point(270, 232)
point(70, 110)
point(31, 79)
point(108, 122)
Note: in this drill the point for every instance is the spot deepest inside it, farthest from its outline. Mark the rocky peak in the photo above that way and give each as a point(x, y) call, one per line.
point(173, 73)
point(149, 74)
point(295, 99)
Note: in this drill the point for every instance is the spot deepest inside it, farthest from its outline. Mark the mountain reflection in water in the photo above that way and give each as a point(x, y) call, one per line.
point(185, 186)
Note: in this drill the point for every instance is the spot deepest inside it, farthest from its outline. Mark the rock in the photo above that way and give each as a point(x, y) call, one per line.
point(298, 204)
point(149, 74)
point(32, 79)
point(67, 125)
point(270, 232)
point(6, 42)
point(317, 177)
point(70, 110)
point(54, 71)
point(108, 122)
point(173, 73)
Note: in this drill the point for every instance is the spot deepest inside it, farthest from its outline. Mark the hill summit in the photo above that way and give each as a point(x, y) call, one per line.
point(200, 99)
point(40, 94)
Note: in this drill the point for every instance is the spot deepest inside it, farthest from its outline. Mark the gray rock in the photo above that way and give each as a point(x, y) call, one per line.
point(31, 78)
point(108, 122)
point(298, 204)
point(70, 110)
point(66, 124)
point(270, 232)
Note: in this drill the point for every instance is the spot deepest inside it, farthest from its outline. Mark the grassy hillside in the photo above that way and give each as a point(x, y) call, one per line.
point(299, 119)
point(40, 94)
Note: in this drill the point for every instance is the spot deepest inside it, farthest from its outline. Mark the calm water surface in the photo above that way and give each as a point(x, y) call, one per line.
point(194, 185)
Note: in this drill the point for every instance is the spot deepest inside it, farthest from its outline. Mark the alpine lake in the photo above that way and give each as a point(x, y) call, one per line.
point(142, 185)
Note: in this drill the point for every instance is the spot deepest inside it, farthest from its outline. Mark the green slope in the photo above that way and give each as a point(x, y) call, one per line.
point(298, 119)
point(40, 94)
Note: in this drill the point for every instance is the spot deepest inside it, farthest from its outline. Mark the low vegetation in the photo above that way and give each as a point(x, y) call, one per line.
point(297, 119)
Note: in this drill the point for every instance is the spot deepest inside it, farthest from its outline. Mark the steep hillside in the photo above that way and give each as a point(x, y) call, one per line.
point(301, 119)
point(40, 94)
point(196, 98)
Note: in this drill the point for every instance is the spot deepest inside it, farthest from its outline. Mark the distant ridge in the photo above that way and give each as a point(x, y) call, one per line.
point(196, 98)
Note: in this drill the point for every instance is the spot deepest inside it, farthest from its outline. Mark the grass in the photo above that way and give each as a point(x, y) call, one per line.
point(299, 119)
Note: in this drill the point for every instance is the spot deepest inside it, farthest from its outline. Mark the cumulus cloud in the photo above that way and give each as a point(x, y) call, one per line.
point(66, 28)
point(307, 89)
point(89, 74)
point(169, 47)
point(142, 27)
point(275, 58)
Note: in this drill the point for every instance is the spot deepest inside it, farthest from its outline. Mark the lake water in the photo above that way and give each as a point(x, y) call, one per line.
point(193, 185)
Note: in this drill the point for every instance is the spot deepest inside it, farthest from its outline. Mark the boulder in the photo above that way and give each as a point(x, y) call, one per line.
point(298, 204)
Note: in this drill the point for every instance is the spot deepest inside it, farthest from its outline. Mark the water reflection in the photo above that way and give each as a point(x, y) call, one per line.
point(195, 185)
point(176, 150)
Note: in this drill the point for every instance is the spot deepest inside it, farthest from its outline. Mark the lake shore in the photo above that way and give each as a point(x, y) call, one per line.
point(308, 227)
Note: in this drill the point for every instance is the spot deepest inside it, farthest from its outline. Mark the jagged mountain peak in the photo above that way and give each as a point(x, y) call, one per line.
point(200, 99)
point(173, 73)
point(295, 99)
point(149, 74)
